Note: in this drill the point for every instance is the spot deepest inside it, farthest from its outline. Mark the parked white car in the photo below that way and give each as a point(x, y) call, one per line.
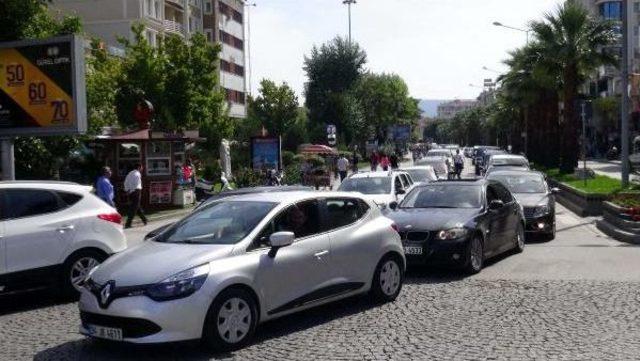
point(439, 165)
point(53, 234)
point(380, 187)
point(237, 262)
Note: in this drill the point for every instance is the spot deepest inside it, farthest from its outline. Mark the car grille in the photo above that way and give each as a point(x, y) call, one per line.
point(529, 212)
point(414, 236)
point(131, 327)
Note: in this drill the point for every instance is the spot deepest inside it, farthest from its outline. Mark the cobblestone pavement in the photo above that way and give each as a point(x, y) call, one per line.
point(437, 317)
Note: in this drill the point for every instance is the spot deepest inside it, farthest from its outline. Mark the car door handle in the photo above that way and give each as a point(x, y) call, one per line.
point(66, 227)
point(321, 254)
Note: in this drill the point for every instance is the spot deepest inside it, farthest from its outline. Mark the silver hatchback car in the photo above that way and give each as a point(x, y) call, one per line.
point(240, 261)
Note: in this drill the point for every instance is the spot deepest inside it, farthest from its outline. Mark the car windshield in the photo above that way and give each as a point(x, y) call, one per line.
point(516, 162)
point(521, 183)
point(374, 185)
point(224, 222)
point(444, 196)
point(420, 175)
point(441, 153)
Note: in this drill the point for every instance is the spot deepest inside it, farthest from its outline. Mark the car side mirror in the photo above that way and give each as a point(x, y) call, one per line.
point(496, 204)
point(393, 206)
point(279, 240)
point(555, 190)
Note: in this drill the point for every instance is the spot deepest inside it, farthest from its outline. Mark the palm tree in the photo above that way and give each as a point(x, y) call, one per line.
point(572, 44)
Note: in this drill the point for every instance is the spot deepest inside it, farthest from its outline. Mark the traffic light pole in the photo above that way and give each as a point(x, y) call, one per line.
point(8, 164)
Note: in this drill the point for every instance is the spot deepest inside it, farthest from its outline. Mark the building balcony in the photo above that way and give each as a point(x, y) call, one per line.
point(179, 4)
point(173, 27)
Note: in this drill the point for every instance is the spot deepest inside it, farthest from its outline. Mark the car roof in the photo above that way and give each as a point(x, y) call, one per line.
point(48, 185)
point(416, 167)
point(290, 197)
point(509, 156)
point(463, 182)
point(514, 171)
point(377, 174)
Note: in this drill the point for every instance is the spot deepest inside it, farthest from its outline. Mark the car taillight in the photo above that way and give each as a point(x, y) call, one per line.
point(395, 227)
point(111, 217)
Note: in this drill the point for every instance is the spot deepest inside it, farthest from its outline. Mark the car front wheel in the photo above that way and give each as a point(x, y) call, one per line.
point(76, 269)
point(475, 256)
point(519, 239)
point(387, 280)
point(231, 320)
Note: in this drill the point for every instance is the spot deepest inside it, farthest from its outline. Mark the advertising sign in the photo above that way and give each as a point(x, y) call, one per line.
point(42, 87)
point(160, 192)
point(401, 133)
point(265, 153)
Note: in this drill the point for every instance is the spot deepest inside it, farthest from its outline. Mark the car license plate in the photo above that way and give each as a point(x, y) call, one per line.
point(413, 250)
point(108, 333)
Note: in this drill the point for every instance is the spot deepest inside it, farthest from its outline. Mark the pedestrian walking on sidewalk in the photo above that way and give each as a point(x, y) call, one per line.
point(104, 188)
point(343, 167)
point(373, 160)
point(384, 162)
point(133, 187)
point(458, 164)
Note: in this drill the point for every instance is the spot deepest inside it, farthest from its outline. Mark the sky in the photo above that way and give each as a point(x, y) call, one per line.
point(439, 47)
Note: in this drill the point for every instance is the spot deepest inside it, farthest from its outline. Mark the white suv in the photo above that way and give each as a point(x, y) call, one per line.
point(380, 187)
point(53, 233)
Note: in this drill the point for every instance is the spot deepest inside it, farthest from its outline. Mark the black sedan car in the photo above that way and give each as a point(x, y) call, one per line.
point(458, 223)
point(536, 198)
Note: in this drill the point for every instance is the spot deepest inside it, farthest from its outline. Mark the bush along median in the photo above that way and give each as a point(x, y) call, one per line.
point(621, 217)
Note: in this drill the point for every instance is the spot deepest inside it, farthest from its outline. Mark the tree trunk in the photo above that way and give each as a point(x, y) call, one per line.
point(569, 128)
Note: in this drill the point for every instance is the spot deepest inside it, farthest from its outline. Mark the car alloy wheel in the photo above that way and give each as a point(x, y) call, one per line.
point(519, 239)
point(234, 320)
point(475, 255)
point(80, 269)
point(390, 277)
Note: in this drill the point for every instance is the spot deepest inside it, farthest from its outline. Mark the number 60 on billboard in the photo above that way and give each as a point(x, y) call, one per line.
point(42, 87)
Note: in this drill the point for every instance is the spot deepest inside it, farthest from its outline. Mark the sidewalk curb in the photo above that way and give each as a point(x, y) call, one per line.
point(155, 218)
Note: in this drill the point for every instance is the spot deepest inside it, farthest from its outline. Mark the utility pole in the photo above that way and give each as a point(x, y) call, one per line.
point(248, 40)
point(8, 163)
point(584, 142)
point(349, 3)
point(624, 132)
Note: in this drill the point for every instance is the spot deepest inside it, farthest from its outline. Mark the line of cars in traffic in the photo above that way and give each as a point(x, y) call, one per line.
point(251, 255)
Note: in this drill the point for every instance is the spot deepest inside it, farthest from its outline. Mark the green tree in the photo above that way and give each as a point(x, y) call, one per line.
point(103, 72)
point(385, 101)
point(571, 44)
point(276, 107)
point(332, 71)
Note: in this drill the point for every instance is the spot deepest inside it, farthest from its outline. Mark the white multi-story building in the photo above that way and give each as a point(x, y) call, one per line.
point(112, 19)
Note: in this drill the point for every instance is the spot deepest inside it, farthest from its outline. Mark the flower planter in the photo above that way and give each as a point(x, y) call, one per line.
point(619, 224)
point(582, 203)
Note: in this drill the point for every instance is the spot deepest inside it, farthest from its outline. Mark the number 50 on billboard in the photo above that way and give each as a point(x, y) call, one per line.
point(42, 87)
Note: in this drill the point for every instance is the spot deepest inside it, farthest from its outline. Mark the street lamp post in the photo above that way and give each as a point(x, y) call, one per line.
point(349, 3)
point(624, 124)
point(249, 73)
point(526, 115)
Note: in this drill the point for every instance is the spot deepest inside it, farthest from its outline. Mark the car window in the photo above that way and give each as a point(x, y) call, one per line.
point(397, 183)
point(503, 193)
point(22, 203)
point(408, 179)
point(301, 218)
point(69, 198)
point(492, 194)
point(443, 196)
point(342, 212)
point(374, 185)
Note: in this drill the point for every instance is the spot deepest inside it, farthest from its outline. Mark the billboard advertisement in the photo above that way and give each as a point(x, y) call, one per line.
point(265, 153)
point(42, 87)
point(400, 133)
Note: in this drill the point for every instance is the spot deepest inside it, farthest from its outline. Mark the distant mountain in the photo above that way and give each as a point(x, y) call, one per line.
point(429, 107)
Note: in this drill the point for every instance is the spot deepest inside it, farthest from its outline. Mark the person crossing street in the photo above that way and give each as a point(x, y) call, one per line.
point(458, 164)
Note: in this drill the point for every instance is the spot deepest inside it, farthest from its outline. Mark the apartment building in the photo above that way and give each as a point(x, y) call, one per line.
point(222, 21)
point(449, 109)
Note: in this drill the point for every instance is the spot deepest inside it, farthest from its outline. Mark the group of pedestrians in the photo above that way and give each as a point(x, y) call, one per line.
point(385, 162)
point(132, 187)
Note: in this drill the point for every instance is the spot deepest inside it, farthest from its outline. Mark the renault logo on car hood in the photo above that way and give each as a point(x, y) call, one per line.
point(105, 293)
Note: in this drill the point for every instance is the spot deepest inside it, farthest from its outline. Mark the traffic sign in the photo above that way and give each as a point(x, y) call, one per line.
point(42, 87)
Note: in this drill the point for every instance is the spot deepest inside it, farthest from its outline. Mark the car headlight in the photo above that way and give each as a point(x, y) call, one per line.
point(454, 233)
point(541, 210)
point(180, 285)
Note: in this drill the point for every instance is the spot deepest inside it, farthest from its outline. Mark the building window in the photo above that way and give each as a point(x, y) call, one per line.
point(230, 12)
point(209, 34)
point(611, 10)
point(636, 7)
point(148, 4)
point(151, 37)
point(208, 7)
point(234, 96)
point(156, 11)
point(231, 40)
point(158, 158)
point(232, 68)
